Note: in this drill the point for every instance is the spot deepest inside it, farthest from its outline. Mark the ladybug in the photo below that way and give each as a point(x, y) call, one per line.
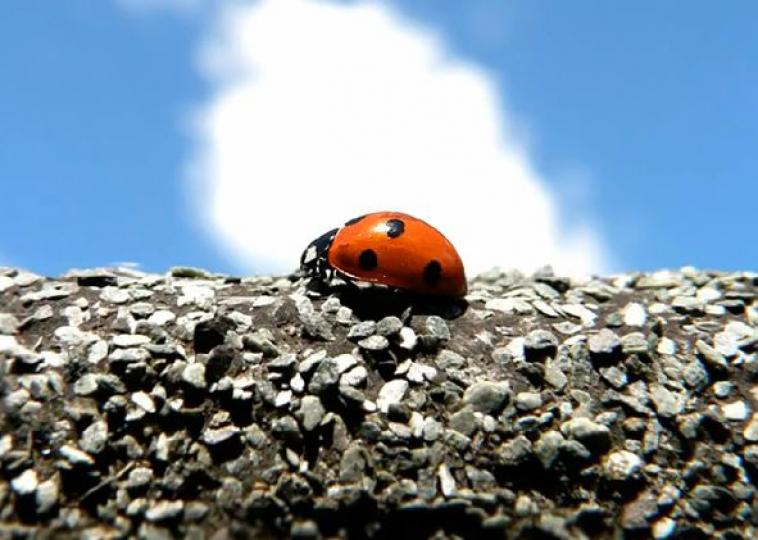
point(389, 248)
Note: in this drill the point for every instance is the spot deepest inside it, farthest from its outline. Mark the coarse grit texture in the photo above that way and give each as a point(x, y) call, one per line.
point(196, 405)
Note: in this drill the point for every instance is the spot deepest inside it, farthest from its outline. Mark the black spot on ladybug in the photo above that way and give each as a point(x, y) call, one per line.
point(354, 220)
point(367, 260)
point(432, 272)
point(395, 227)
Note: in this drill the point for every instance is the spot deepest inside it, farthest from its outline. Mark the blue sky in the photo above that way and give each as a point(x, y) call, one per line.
point(640, 119)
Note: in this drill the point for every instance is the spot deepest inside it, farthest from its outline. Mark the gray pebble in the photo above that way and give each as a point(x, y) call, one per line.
point(391, 392)
point(374, 343)
point(463, 421)
point(486, 396)
point(591, 434)
point(194, 375)
point(540, 343)
point(528, 401)
point(723, 389)
point(46, 496)
point(389, 326)
point(311, 412)
point(139, 477)
point(621, 465)
point(161, 511)
point(605, 344)
point(667, 403)
point(95, 437)
point(361, 330)
point(437, 328)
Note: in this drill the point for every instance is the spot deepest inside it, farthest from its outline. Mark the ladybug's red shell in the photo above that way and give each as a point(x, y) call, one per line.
point(397, 250)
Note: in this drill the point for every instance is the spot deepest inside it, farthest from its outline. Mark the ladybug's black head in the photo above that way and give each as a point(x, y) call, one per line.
point(314, 261)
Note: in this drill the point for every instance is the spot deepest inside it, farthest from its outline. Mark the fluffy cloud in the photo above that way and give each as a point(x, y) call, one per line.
point(322, 111)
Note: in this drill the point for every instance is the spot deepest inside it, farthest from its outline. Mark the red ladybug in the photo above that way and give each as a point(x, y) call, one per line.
point(390, 248)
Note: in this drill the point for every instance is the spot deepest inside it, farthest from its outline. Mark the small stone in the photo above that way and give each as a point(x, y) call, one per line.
point(314, 324)
point(353, 464)
point(164, 511)
point(114, 295)
point(418, 373)
point(144, 401)
point(344, 362)
point(554, 375)
point(737, 411)
point(8, 324)
point(139, 477)
point(540, 344)
point(126, 341)
point(637, 514)
point(286, 428)
point(75, 456)
point(95, 437)
point(579, 311)
point(634, 343)
point(26, 483)
point(285, 363)
point(615, 376)
point(667, 403)
point(311, 412)
point(344, 316)
point(751, 429)
point(486, 396)
point(589, 433)
point(86, 385)
point(695, 376)
point(391, 392)
point(361, 330)
point(408, 339)
point(447, 482)
point(161, 317)
point(447, 359)
point(688, 304)
point(220, 436)
point(723, 389)
point(515, 452)
point(509, 306)
point(46, 496)
point(389, 326)
point(6, 283)
point(283, 399)
point(374, 343)
point(634, 314)
point(197, 295)
point(528, 401)
point(666, 346)
point(195, 510)
point(712, 358)
point(463, 421)
point(548, 447)
point(663, 528)
point(354, 377)
point(326, 377)
point(621, 465)
point(437, 328)
point(98, 351)
point(194, 375)
point(605, 345)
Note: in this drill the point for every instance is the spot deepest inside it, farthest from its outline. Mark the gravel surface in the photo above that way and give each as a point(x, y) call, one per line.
point(204, 406)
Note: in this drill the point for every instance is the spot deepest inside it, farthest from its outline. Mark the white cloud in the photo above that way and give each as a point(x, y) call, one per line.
point(321, 112)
